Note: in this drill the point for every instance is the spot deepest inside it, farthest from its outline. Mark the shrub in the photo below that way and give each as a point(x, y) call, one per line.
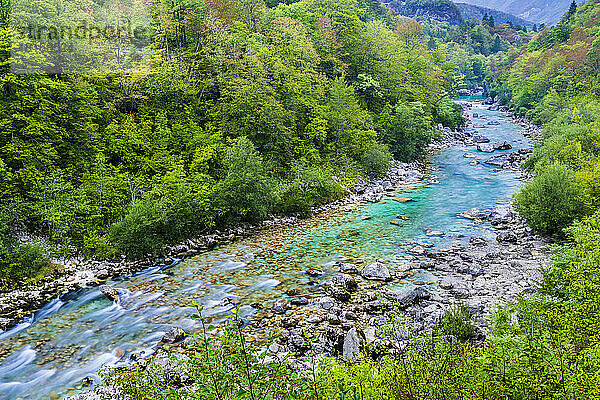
point(449, 114)
point(376, 159)
point(551, 201)
point(457, 322)
point(172, 211)
point(244, 193)
point(220, 367)
point(309, 187)
point(23, 263)
point(139, 233)
point(408, 133)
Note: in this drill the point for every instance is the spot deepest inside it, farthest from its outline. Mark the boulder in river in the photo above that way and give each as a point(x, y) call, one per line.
point(345, 282)
point(480, 139)
point(473, 214)
point(173, 335)
point(280, 306)
point(376, 272)
point(486, 147)
point(502, 146)
point(347, 268)
point(110, 292)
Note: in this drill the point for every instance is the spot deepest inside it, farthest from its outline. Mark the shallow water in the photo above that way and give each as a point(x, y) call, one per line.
point(72, 337)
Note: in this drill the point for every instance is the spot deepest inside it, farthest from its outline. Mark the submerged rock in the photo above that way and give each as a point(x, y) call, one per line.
point(376, 272)
point(110, 292)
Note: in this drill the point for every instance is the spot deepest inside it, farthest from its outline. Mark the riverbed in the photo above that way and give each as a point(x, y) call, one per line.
point(74, 336)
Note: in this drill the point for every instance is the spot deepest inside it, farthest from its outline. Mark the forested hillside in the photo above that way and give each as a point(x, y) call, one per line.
point(536, 11)
point(235, 113)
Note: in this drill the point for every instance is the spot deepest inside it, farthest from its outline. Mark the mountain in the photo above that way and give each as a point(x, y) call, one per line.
point(470, 12)
point(440, 10)
point(453, 13)
point(537, 11)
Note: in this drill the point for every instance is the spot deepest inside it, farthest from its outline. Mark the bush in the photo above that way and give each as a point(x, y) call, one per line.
point(457, 322)
point(139, 233)
point(23, 263)
point(408, 133)
point(172, 211)
point(376, 159)
point(220, 367)
point(551, 201)
point(244, 194)
point(449, 114)
point(309, 187)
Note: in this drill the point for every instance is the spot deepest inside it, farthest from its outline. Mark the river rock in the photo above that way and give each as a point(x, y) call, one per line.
point(376, 272)
point(353, 343)
point(110, 292)
point(314, 272)
point(501, 215)
point(447, 283)
point(326, 302)
point(347, 268)
point(486, 147)
point(330, 342)
point(417, 250)
point(434, 233)
point(406, 300)
point(338, 293)
point(507, 237)
point(173, 335)
point(474, 214)
point(280, 306)
point(345, 282)
point(480, 139)
point(502, 146)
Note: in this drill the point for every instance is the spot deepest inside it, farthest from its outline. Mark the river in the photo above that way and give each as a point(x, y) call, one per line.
point(72, 337)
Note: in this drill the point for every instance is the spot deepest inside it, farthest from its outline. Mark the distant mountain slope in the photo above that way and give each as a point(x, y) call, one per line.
point(440, 10)
point(537, 11)
point(470, 11)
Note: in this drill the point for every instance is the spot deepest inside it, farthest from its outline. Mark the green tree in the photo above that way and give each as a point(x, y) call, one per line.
point(244, 193)
point(552, 201)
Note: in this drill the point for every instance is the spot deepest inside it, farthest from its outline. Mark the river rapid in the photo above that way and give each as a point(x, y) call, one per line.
point(71, 338)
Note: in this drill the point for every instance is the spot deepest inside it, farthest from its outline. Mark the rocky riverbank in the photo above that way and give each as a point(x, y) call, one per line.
point(19, 305)
point(360, 306)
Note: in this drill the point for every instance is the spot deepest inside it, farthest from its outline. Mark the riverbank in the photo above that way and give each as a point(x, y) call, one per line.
point(21, 304)
point(359, 305)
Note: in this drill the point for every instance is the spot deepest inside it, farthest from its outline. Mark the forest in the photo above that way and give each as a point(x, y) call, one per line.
point(232, 112)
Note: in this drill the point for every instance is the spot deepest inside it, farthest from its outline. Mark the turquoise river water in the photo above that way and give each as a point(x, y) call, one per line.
point(48, 355)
